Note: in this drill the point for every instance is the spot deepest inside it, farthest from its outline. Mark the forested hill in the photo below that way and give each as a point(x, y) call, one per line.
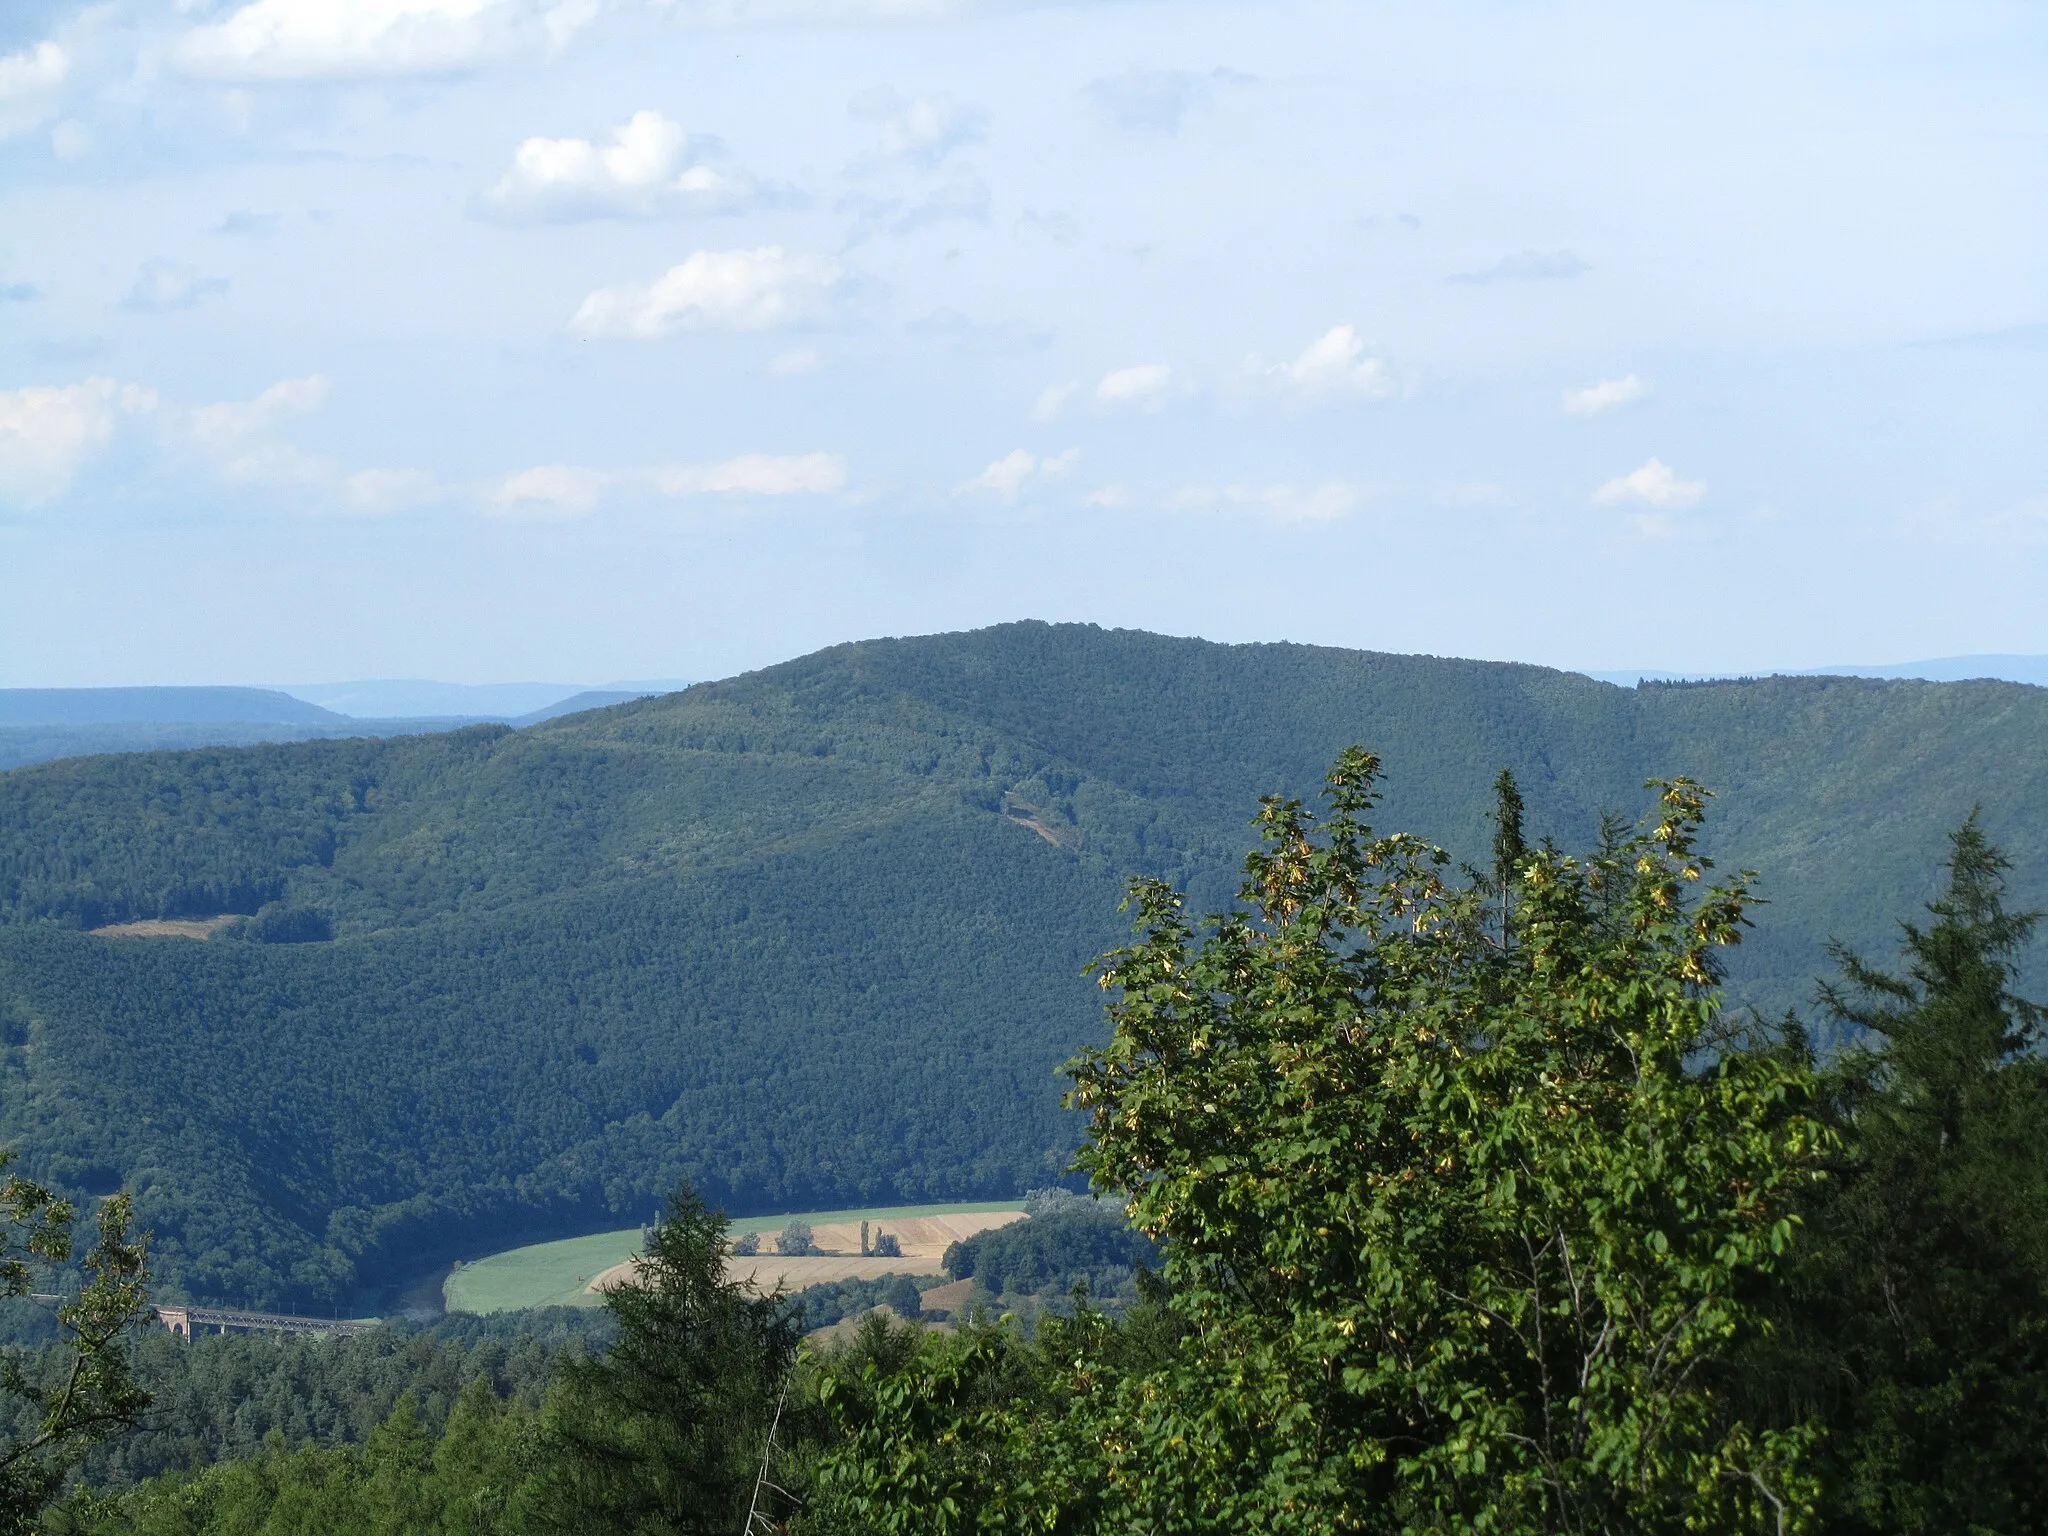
point(814, 936)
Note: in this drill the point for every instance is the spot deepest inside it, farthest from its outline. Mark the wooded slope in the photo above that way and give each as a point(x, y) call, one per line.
point(813, 936)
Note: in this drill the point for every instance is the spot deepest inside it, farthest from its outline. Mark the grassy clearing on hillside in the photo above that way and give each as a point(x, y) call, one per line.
point(558, 1274)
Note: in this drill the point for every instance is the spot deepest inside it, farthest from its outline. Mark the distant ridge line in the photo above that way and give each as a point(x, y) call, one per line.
point(2029, 670)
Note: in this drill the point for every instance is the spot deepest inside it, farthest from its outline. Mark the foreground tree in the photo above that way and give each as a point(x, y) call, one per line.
point(1918, 1322)
point(666, 1432)
point(1457, 1227)
point(85, 1393)
point(1457, 1223)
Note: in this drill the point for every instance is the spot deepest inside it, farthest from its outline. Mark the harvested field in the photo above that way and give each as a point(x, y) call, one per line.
point(924, 1240)
point(166, 928)
point(572, 1271)
point(954, 1296)
point(768, 1270)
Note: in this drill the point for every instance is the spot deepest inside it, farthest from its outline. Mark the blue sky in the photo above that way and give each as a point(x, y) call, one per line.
point(595, 338)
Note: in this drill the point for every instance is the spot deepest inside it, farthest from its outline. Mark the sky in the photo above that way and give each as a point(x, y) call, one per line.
point(483, 339)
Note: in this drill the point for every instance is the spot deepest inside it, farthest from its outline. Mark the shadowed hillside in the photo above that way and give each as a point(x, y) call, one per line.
point(811, 937)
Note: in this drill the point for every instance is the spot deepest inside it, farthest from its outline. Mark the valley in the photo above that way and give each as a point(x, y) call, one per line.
point(810, 938)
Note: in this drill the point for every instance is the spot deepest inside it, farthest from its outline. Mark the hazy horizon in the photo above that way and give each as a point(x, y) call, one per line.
point(440, 697)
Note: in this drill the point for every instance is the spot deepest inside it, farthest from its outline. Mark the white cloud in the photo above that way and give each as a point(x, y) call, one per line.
point(166, 285)
point(1006, 477)
point(225, 425)
point(757, 474)
point(1337, 363)
point(301, 39)
point(48, 432)
point(1009, 474)
point(551, 490)
point(921, 129)
point(1607, 395)
point(233, 436)
point(796, 360)
point(29, 83)
point(1146, 382)
point(650, 166)
point(1656, 484)
point(1109, 497)
point(1052, 400)
point(390, 490)
point(714, 290)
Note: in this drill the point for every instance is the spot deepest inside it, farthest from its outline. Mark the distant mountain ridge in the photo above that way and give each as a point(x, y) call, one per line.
point(43, 724)
point(813, 937)
point(405, 698)
point(2032, 670)
point(158, 706)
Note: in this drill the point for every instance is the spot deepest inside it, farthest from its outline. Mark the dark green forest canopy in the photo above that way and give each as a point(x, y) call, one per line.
point(812, 937)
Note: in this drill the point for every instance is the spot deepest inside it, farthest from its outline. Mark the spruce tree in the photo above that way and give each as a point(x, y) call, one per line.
point(1920, 1325)
point(665, 1432)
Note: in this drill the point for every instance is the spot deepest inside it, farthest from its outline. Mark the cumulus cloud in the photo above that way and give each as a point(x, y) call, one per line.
point(48, 432)
point(920, 129)
point(29, 85)
point(160, 286)
point(1338, 363)
point(307, 39)
point(1156, 100)
point(1146, 383)
point(550, 490)
point(235, 435)
point(231, 422)
point(757, 474)
point(1006, 477)
point(1607, 395)
point(1655, 484)
point(648, 166)
point(1017, 468)
point(1528, 267)
point(714, 290)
